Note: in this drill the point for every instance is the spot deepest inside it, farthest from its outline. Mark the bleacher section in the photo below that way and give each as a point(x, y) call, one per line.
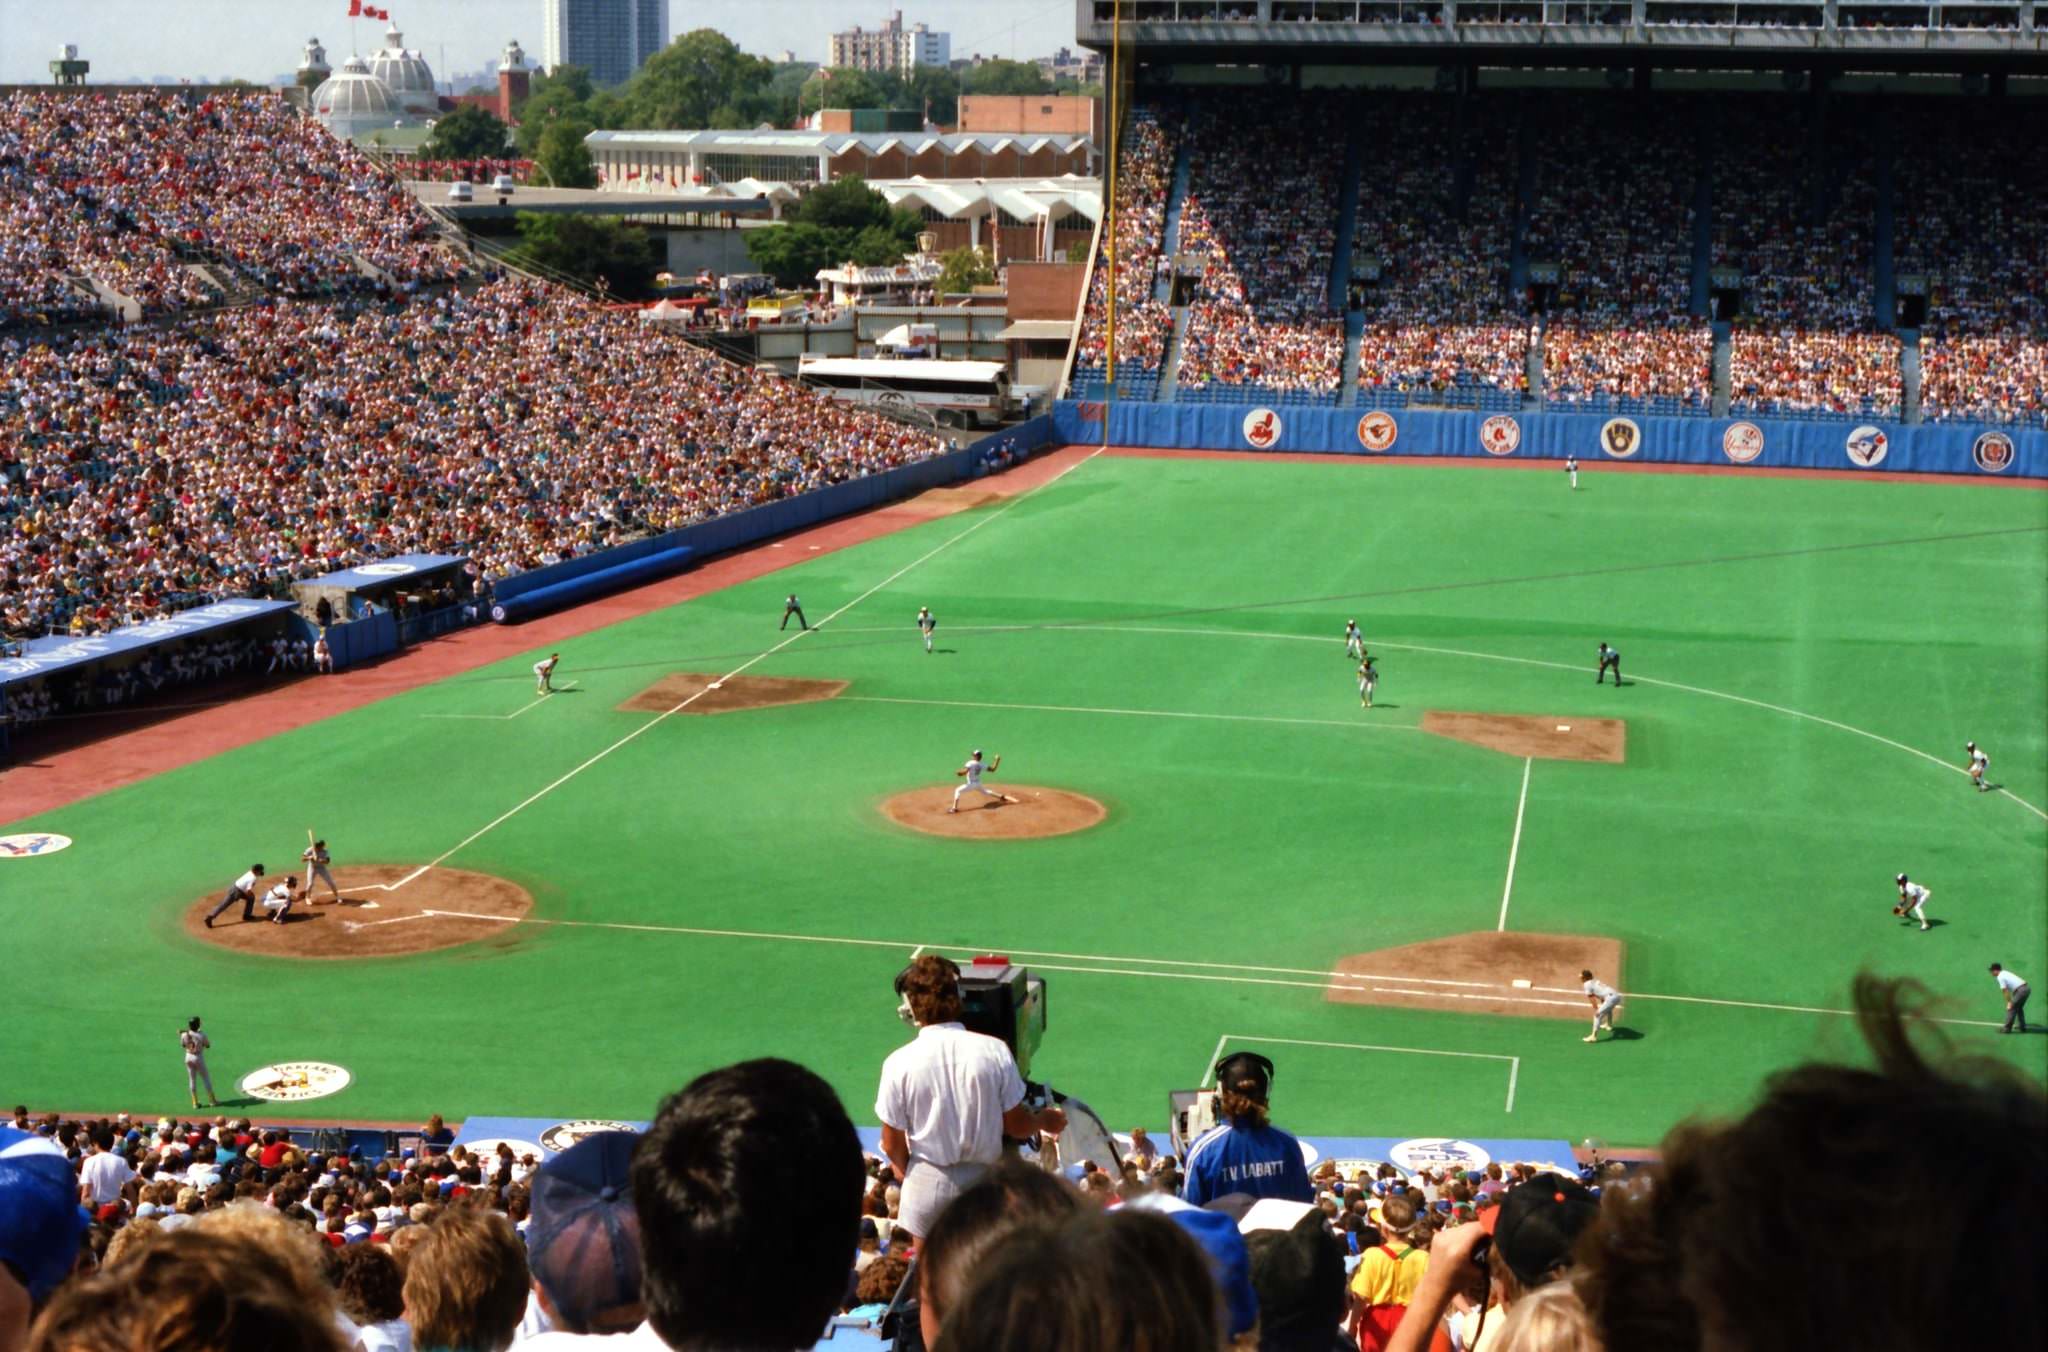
point(1651, 254)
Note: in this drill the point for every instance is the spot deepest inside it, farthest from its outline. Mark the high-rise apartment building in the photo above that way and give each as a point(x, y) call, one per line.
point(609, 38)
point(892, 47)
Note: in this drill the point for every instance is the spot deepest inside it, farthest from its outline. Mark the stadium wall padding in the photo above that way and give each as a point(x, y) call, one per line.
point(357, 641)
point(1766, 443)
point(527, 594)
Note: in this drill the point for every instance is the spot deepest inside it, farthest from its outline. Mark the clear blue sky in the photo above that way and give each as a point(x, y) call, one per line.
point(257, 39)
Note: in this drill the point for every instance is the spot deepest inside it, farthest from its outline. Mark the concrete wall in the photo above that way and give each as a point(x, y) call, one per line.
point(1045, 290)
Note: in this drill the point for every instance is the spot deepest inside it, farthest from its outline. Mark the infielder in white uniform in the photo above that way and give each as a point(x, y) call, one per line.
point(1354, 642)
point(1912, 901)
point(1368, 677)
point(543, 675)
point(195, 1044)
point(925, 625)
point(1604, 999)
point(317, 859)
point(279, 899)
point(972, 772)
point(1979, 763)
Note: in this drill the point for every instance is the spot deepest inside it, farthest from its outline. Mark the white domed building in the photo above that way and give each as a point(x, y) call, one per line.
point(406, 74)
point(353, 102)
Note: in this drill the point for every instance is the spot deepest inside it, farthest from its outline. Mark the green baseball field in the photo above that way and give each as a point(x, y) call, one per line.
point(646, 875)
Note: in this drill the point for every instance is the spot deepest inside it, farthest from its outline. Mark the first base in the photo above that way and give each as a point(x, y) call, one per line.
point(1522, 983)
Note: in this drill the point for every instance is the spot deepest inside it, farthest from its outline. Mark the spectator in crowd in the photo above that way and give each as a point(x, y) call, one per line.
point(104, 1171)
point(584, 1242)
point(465, 1283)
point(979, 1223)
point(435, 1137)
point(1739, 1241)
point(199, 1290)
point(948, 1098)
point(1050, 1290)
point(1387, 1275)
point(1298, 1275)
point(1247, 1153)
point(726, 1263)
point(370, 1288)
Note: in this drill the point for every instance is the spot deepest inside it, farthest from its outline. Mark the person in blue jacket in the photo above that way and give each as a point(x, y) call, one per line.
point(1247, 1154)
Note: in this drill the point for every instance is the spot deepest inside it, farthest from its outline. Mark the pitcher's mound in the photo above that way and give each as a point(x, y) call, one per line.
point(1545, 737)
point(1031, 813)
point(733, 693)
point(368, 923)
point(1534, 976)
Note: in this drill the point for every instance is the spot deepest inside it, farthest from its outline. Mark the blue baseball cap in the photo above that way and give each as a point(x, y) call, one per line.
point(1229, 1260)
point(583, 1244)
point(41, 1222)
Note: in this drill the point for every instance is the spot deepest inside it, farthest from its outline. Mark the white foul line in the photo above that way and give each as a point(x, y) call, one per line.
point(506, 718)
point(1515, 848)
point(1129, 713)
point(1209, 1067)
point(763, 656)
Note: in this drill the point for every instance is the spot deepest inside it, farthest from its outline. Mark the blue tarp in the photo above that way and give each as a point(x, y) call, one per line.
point(48, 655)
point(384, 571)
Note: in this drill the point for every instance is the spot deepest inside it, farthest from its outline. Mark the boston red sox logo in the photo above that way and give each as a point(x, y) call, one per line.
point(1500, 435)
point(1993, 452)
point(1262, 428)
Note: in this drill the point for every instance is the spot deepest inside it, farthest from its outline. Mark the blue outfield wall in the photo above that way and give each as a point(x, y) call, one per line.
point(1768, 443)
point(573, 580)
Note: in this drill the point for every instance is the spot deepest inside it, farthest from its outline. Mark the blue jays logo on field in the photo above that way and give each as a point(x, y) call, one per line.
point(1867, 445)
point(1993, 452)
point(28, 846)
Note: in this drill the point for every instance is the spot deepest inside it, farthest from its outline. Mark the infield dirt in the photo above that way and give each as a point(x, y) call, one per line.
point(1476, 974)
point(369, 923)
point(731, 695)
point(1032, 812)
point(1544, 737)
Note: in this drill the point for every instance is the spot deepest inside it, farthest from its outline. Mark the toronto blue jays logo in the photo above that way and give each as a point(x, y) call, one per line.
point(1867, 446)
point(27, 846)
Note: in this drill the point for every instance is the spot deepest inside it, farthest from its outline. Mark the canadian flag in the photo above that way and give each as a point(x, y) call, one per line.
point(355, 9)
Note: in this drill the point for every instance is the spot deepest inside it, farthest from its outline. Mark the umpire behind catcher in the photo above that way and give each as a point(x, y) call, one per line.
point(1247, 1153)
point(948, 1098)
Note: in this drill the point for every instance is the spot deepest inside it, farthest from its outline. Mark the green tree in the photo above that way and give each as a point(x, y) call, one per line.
point(843, 87)
point(850, 204)
point(468, 133)
point(933, 91)
point(561, 157)
point(568, 93)
point(961, 270)
point(840, 222)
point(590, 248)
point(794, 253)
point(1005, 77)
point(699, 80)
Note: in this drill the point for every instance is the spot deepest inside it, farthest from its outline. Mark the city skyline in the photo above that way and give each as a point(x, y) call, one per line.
point(260, 40)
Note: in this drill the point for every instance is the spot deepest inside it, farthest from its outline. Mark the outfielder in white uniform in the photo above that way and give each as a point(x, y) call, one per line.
point(1368, 677)
point(1571, 467)
point(972, 772)
point(925, 624)
point(195, 1044)
point(1604, 999)
point(1912, 901)
point(1354, 642)
point(279, 899)
point(543, 673)
point(317, 859)
point(1979, 763)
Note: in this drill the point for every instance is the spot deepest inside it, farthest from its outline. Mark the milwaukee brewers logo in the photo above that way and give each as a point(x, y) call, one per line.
point(291, 1081)
point(1377, 430)
point(1621, 438)
point(1742, 442)
point(1262, 429)
point(1994, 452)
point(1500, 435)
point(1867, 445)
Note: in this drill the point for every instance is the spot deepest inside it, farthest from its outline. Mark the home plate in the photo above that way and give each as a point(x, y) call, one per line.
point(1564, 727)
point(1521, 984)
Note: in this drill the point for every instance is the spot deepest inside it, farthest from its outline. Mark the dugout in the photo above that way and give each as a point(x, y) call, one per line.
point(375, 608)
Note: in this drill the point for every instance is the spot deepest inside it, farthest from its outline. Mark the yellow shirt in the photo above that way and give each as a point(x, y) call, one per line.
point(1383, 1280)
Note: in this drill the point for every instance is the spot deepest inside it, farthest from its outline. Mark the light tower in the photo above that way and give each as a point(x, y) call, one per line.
point(67, 69)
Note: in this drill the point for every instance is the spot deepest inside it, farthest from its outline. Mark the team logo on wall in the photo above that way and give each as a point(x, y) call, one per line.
point(1621, 438)
point(1993, 452)
point(1377, 430)
point(1866, 446)
point(1742, 442)
point(387, 569)
point(488, 1148)
point(292, 1081)
point(29, 846)
point(1262, 428)
point(565, 1134)
point(1437, 1152)
point(1500, 435)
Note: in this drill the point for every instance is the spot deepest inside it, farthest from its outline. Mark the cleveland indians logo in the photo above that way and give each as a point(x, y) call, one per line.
point(1262, 428)
point(28, 846)
point(1377, 430)
point(1500, 435)
point(1994, 452)
point(1867, 446)
point(1621, 438)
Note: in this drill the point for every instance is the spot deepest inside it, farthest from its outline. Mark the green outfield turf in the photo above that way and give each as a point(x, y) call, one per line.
point(1744, 854)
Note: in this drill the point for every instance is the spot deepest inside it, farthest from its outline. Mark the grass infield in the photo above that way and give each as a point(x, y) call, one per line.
point(1162, 636)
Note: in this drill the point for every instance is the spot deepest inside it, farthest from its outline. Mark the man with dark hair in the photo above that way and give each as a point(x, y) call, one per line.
point(1247, 1154)
point(948, 1098)
point(729, 1160)
point(977, 1226)
point(2014, 988)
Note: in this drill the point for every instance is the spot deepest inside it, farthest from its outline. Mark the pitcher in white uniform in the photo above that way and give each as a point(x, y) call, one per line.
point(195, 1044)
point(972, 772)
point(1604, 999)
